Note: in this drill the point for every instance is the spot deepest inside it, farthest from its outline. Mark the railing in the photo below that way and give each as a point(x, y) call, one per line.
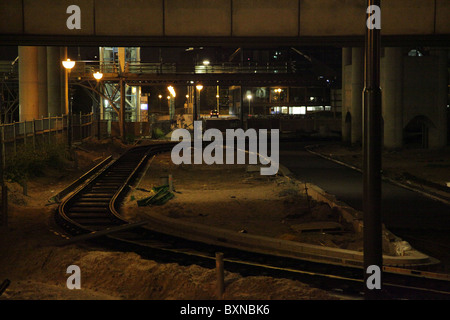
point(92, 66)
point(8, 67)
point(29, 130)
point(86, 67)
point(49, 130)
point(250, 67)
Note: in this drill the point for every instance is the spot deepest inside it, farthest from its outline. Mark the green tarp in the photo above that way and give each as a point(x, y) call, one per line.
point(160, 196)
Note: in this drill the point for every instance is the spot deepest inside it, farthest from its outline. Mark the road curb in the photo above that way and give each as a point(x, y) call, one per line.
point(391, 243)
point(384, 178)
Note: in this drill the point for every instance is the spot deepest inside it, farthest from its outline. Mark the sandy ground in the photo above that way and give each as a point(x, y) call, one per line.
point(238, 198)
point(36, 265)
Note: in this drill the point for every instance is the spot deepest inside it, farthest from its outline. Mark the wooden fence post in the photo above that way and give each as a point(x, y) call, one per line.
point(14, 137)
point(49, 129)
point(220, 275)
point(34, 133)
point(25, 133)
point(4, 220)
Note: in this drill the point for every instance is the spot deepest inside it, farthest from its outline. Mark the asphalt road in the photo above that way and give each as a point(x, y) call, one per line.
point(420, 220)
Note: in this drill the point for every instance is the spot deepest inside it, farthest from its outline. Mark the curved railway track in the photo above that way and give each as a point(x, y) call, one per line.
point(93, 207)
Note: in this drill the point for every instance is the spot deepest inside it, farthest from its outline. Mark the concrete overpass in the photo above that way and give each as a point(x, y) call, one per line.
point(220, 22)
point(415, 89)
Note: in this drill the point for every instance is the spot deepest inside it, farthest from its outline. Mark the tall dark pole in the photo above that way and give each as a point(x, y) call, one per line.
point(372, 154)
point(241, 108)
point(70, 120)
point(194, 107)
point(122, 109)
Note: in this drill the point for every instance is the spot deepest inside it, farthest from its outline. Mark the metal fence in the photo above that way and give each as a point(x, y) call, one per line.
point(49, 130)
point(85, 66)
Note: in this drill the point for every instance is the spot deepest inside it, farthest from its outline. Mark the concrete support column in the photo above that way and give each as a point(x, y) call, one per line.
point(392, 98)
point(54, 80)
point(42, 82)
point(346, 127)
point(28, 83)
point(438, 136)
point(357, 94)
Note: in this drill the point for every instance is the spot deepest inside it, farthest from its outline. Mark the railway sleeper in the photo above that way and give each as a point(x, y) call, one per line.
point(106, 222)
point(95, 195)
point(109, 184)
point(113, 179)
point(105, 189)
point(88, 210)
point(101, 187)
point(96, 204)
point(94, 199)
point(87, 216)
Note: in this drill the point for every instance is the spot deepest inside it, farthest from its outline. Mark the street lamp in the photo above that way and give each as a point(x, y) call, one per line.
point(197, 108)
point(279, 95)
point(68, 65)
point(249, 98)
point(98, 75)
point(172, 102)
point(168, 102)
point(172, 91)
point(160, 97)
point(218, 99)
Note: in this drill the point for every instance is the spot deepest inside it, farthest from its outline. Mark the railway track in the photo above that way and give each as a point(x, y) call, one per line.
point(94, 205)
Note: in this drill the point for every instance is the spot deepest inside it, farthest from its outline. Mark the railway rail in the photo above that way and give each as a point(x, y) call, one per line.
point(93, 208)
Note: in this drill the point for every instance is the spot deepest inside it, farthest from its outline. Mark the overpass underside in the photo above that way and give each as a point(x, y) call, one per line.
point(219, 22)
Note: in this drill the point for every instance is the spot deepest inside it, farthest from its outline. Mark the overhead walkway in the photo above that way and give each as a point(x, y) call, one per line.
point(136, 73)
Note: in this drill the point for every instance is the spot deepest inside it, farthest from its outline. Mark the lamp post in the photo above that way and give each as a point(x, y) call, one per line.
point(98, 76)
point(68, 65)
point(197, 108)
point(249, 98)
point(160, 97)
point(172, 102)
point(218, 99)
point(372, 150)
point(279, 96)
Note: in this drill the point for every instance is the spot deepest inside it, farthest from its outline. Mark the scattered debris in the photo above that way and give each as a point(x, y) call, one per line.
point(161, 196)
